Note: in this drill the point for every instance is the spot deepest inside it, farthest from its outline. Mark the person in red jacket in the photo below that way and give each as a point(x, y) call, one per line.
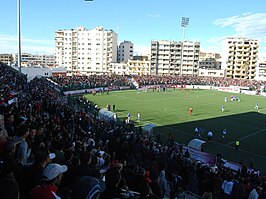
point(52, 175)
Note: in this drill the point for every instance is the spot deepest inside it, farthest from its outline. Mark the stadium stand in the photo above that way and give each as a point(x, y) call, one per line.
point(40, 127)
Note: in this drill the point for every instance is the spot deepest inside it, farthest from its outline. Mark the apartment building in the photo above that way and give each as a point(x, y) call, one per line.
point(239, 57)
point(209, 55)
point(28, 60)
point(131, 67)
point(85, 52)
point(211, 72)
point(174, 58)
point(209, 60)
point(190, 58)
point(261, 70)
point(210, 63)
point(6, 58)
point(125, 51)
point(141, 57)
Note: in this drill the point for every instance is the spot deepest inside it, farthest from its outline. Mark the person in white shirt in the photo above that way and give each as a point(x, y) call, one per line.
point(227, 187)
point(254, 194)
point(128, 117)
point(209, 135)
point(115, 117)
point(197, 131)
point(224, 133)
point(138, 115)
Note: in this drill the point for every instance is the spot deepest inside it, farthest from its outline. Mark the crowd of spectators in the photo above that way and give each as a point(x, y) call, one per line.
point(97, 81)
point(197, 80)
point(93, 81)
point(49, 149)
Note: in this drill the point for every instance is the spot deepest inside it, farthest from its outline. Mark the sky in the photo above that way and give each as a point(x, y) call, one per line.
point(138, 21)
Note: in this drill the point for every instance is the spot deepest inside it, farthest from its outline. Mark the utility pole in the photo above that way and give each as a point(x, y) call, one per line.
point(19, 35)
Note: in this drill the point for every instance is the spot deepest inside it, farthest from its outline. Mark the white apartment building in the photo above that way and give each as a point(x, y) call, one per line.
point(6, 58)
point(210, 63)
point(131, 67)
point(211, 73)
point(125, 51)
point(190, 58)
point(171, 57)
point(84, 52)
point(207, 55)
point(261, 70)
point(239, 57)
point(28, 60)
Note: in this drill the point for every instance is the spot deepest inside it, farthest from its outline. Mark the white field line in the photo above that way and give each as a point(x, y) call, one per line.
point(151, 100)
point(225, 145)
point(247, 136)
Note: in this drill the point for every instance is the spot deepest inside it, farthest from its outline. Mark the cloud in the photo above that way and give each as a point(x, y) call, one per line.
point(214, 44)
point(153, 15)
point(8, 44)
point(13, 38)
point(248, 25)
point(27, 49)
point(141, 49)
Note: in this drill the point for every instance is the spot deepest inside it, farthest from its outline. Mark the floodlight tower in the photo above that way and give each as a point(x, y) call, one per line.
point(184, 24)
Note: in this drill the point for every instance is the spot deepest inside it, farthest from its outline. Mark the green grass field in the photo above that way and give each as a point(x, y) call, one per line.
point(170, 112)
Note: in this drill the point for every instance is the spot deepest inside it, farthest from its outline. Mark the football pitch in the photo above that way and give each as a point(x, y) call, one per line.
point(170, 112)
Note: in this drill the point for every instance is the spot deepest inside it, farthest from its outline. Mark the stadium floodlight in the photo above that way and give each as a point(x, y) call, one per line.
point(19, 35)
point(184, 24)
point(184, 21)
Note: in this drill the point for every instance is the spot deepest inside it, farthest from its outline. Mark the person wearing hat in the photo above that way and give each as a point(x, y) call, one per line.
point(52, 175)
point(33, 172)
point(88, 187)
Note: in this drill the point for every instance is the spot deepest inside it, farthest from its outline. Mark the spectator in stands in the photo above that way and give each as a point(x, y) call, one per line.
point(52, 175)
point(163, 183)
point(207, 195)
point(146, 192)
point(255, 193)
point(238, 189)
point(2, 126)
point(86, 168)
point(112, 179)
point(33, 173)
point(227, 186)
point(9, 125)
point(192, 180)
point(59, 125)
point(88, 187)
point(22, 151)
point(187, 154)
point(8, 185)
point(180, 194)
